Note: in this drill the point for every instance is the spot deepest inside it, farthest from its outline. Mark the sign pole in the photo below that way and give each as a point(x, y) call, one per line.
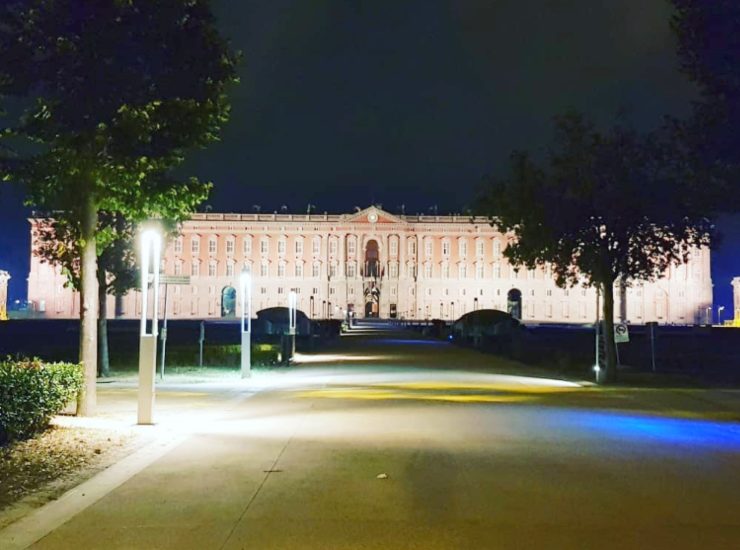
point(245, 284)
point(163, 335)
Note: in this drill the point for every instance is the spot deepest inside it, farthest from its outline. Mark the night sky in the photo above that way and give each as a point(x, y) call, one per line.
point(345, 104)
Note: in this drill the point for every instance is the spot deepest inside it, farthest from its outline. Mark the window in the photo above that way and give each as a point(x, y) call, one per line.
point(412, 246)
point(230, 269)
point(299, 269)
point(316, 270)
point(497, 271)
point(428, 248)
point(247, 267)
point(178, 245)
point(351, 270)
point(496, 249)
point(394, 246)
point(479, 248)
point(462, 271)
point(479, 271)
point(393, 270)
point(212, 245)
point(316, 245)
point(195, 245)
point(230, 246)
point(446, 271)
point(212, 269)
point(281, 246)
point(428, 271)
point(530, 274)
point(264, 246)
point(445, 247)
point(332, 246)
point(333, 270)
point(463, 248)
point(195, 269)
point(178, 268)
point(264, 270)
point(281, 269)
point(247, 246)
point(351, 246)
point(299, 247)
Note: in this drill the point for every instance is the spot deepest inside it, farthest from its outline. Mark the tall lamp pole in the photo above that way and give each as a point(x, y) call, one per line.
point(720, 309)
point(245, 287)
point(292, 300)
point(151, 249)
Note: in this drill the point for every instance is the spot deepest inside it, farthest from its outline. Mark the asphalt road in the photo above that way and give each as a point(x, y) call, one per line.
point(390, 442)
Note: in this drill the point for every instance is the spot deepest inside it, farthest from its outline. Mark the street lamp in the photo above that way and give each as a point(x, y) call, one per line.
point(292, 300)
point(245, 287)
point(151, 248)
point(709, 315)
point(720, 309)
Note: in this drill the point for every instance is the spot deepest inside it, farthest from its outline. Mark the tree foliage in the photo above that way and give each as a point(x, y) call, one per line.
point(116, 93)
point(708, 35)
point(603, 208)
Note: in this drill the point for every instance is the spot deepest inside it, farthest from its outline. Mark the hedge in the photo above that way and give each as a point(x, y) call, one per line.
point(31, 392)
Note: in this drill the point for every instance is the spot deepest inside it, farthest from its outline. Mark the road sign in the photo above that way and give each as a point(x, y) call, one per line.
point(174, 280)
point(621, 333)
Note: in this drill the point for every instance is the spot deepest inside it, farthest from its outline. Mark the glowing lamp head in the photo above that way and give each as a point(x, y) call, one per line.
point(245, 279)
point(150, 238)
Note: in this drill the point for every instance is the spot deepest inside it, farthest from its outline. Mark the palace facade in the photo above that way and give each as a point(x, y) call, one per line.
point(375, 264)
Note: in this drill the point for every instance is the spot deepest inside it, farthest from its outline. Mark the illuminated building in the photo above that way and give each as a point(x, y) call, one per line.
point(375, 263)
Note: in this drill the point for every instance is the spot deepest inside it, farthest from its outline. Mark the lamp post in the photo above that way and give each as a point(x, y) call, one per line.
point(709, 315)
point(245, 287)
point(720, 309)
point(151, 248)
point(292, 299)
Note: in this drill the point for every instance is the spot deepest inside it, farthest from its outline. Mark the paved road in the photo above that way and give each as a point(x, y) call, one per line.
point(466, 459)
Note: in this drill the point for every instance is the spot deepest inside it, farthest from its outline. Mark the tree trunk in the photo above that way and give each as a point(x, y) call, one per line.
point(610, 368)
point(103, 360)
point(87, 399)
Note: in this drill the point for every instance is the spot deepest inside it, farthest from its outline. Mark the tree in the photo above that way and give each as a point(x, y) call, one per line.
point(117, 93)
point(708, 34)
point(606, 209)
point(56, 242)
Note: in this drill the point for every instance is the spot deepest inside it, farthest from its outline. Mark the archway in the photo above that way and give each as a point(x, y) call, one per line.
point(372, 300)
point(372, 259)
point(228, 302)
point(514, 303)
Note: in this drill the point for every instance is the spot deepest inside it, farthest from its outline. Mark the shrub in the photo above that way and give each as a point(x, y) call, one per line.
point(31, 392)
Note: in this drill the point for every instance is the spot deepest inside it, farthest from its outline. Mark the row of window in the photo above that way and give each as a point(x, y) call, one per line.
point(333, 245)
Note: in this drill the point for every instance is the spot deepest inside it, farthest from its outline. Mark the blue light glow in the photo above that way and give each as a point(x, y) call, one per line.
point(672, 431)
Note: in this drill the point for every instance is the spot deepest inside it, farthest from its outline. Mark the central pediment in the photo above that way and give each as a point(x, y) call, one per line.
point(372, 214)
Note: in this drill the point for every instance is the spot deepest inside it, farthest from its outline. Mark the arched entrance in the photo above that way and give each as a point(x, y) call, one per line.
point(372, 259)
point(514, 303)
point(372, 300)
point(228, 302)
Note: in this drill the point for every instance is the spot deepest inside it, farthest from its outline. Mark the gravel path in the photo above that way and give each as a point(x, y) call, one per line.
point(40, 469)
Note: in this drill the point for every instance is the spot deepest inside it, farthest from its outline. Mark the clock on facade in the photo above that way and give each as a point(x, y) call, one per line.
point(372, 217)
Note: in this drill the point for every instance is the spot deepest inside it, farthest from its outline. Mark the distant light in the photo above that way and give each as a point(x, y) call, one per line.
point(597, 368)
